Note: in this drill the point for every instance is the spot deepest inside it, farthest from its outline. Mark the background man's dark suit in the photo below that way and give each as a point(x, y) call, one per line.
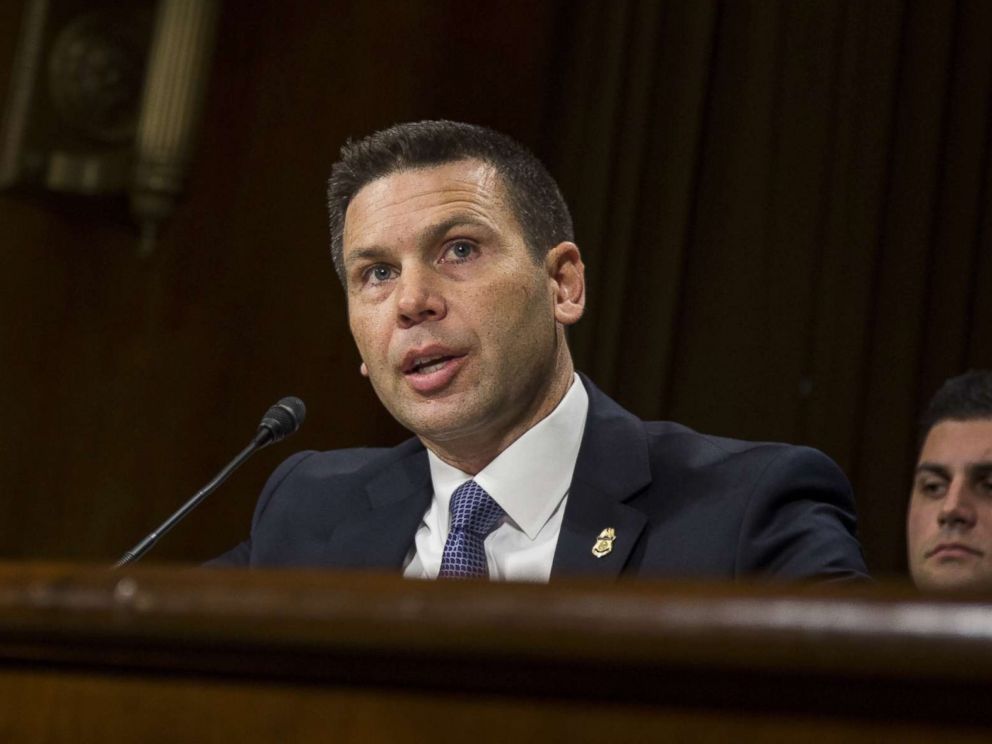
point(681, 503)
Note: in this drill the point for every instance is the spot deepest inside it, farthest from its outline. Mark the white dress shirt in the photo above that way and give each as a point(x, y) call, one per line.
point(529, 480)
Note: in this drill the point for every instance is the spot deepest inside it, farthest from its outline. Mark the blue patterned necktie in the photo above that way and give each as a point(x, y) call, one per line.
point(474, 515)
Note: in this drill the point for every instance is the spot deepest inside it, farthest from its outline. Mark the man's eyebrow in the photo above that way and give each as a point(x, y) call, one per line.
point(935, 468)
point(977, 470)
point(434, 233)
point(371, 253)
point(430, 234)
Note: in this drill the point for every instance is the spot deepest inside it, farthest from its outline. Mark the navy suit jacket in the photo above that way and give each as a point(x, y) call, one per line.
point(682, 504)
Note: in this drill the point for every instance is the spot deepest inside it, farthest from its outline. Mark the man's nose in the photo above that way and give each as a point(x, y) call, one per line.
point(956, 508)
point(418, 298)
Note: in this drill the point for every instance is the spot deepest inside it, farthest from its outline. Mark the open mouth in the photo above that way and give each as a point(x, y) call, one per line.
point(427, 365)
point(431, 371)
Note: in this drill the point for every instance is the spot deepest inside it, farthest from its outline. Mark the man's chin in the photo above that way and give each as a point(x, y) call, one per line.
point(442, 421)
point(955, 579)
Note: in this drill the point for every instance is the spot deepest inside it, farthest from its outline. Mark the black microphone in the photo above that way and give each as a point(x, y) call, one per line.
point(283, 419)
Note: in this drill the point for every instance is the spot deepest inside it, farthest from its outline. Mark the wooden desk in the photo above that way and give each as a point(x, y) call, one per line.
point(174, 655)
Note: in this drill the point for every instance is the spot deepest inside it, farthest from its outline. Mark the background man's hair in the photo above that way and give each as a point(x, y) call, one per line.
point(534, 196)
point(962, 398)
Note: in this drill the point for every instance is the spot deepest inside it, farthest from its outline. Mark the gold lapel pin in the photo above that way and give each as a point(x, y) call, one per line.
point(604, 543)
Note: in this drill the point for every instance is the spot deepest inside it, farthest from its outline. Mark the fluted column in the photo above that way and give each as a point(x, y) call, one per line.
point(175, 84)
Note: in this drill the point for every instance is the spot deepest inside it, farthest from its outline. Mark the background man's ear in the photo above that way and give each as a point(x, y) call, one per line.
point(568, 281)
point(363, 370)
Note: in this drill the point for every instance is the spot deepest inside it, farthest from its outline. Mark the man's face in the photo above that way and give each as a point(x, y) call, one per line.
point(459, 327)
point(949, 524)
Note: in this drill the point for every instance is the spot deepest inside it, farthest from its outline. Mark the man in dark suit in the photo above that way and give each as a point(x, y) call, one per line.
point(455, 249)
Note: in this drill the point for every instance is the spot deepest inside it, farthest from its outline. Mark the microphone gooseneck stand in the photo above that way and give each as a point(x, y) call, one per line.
point(281, 420)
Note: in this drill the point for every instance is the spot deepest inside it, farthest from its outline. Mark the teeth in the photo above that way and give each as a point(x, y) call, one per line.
point(427, 366)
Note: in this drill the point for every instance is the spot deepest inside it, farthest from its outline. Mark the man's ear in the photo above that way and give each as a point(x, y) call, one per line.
point(568, 282)
point(363, 370)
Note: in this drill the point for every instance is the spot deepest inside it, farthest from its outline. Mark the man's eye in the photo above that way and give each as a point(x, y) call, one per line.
point(931, 487)
point(460, 250)
point(378, 274)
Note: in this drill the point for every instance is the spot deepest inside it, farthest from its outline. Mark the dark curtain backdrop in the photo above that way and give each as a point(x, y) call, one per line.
point(783, 207)
point(785, 213)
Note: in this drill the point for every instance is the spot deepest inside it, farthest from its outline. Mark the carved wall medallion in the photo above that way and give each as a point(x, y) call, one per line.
point(105, 100)
point(96, 72)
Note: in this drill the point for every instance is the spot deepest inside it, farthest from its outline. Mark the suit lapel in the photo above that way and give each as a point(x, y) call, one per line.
point(612, 466)
point(397, 498)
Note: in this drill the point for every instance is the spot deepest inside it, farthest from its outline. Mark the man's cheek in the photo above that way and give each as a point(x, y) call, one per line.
point(363, 334)
point(914, 530)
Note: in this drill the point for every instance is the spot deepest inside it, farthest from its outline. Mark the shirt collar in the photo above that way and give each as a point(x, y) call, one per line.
point(530, 477)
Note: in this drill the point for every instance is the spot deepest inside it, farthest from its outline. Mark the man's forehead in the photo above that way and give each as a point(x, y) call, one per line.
point(409, 183)
point(466, 185)
point(958, 442)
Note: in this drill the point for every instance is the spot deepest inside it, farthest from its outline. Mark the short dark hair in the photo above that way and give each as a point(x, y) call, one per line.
point(962, 398)
point(534, 196)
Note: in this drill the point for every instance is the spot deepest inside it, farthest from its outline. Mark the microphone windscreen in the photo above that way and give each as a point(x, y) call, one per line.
point(284, 418)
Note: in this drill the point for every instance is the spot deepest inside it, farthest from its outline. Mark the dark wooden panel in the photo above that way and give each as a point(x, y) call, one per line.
point(47, 708)
point(290, 656)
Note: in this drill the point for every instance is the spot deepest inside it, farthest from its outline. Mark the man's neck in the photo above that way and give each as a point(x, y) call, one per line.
point(472, 453)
